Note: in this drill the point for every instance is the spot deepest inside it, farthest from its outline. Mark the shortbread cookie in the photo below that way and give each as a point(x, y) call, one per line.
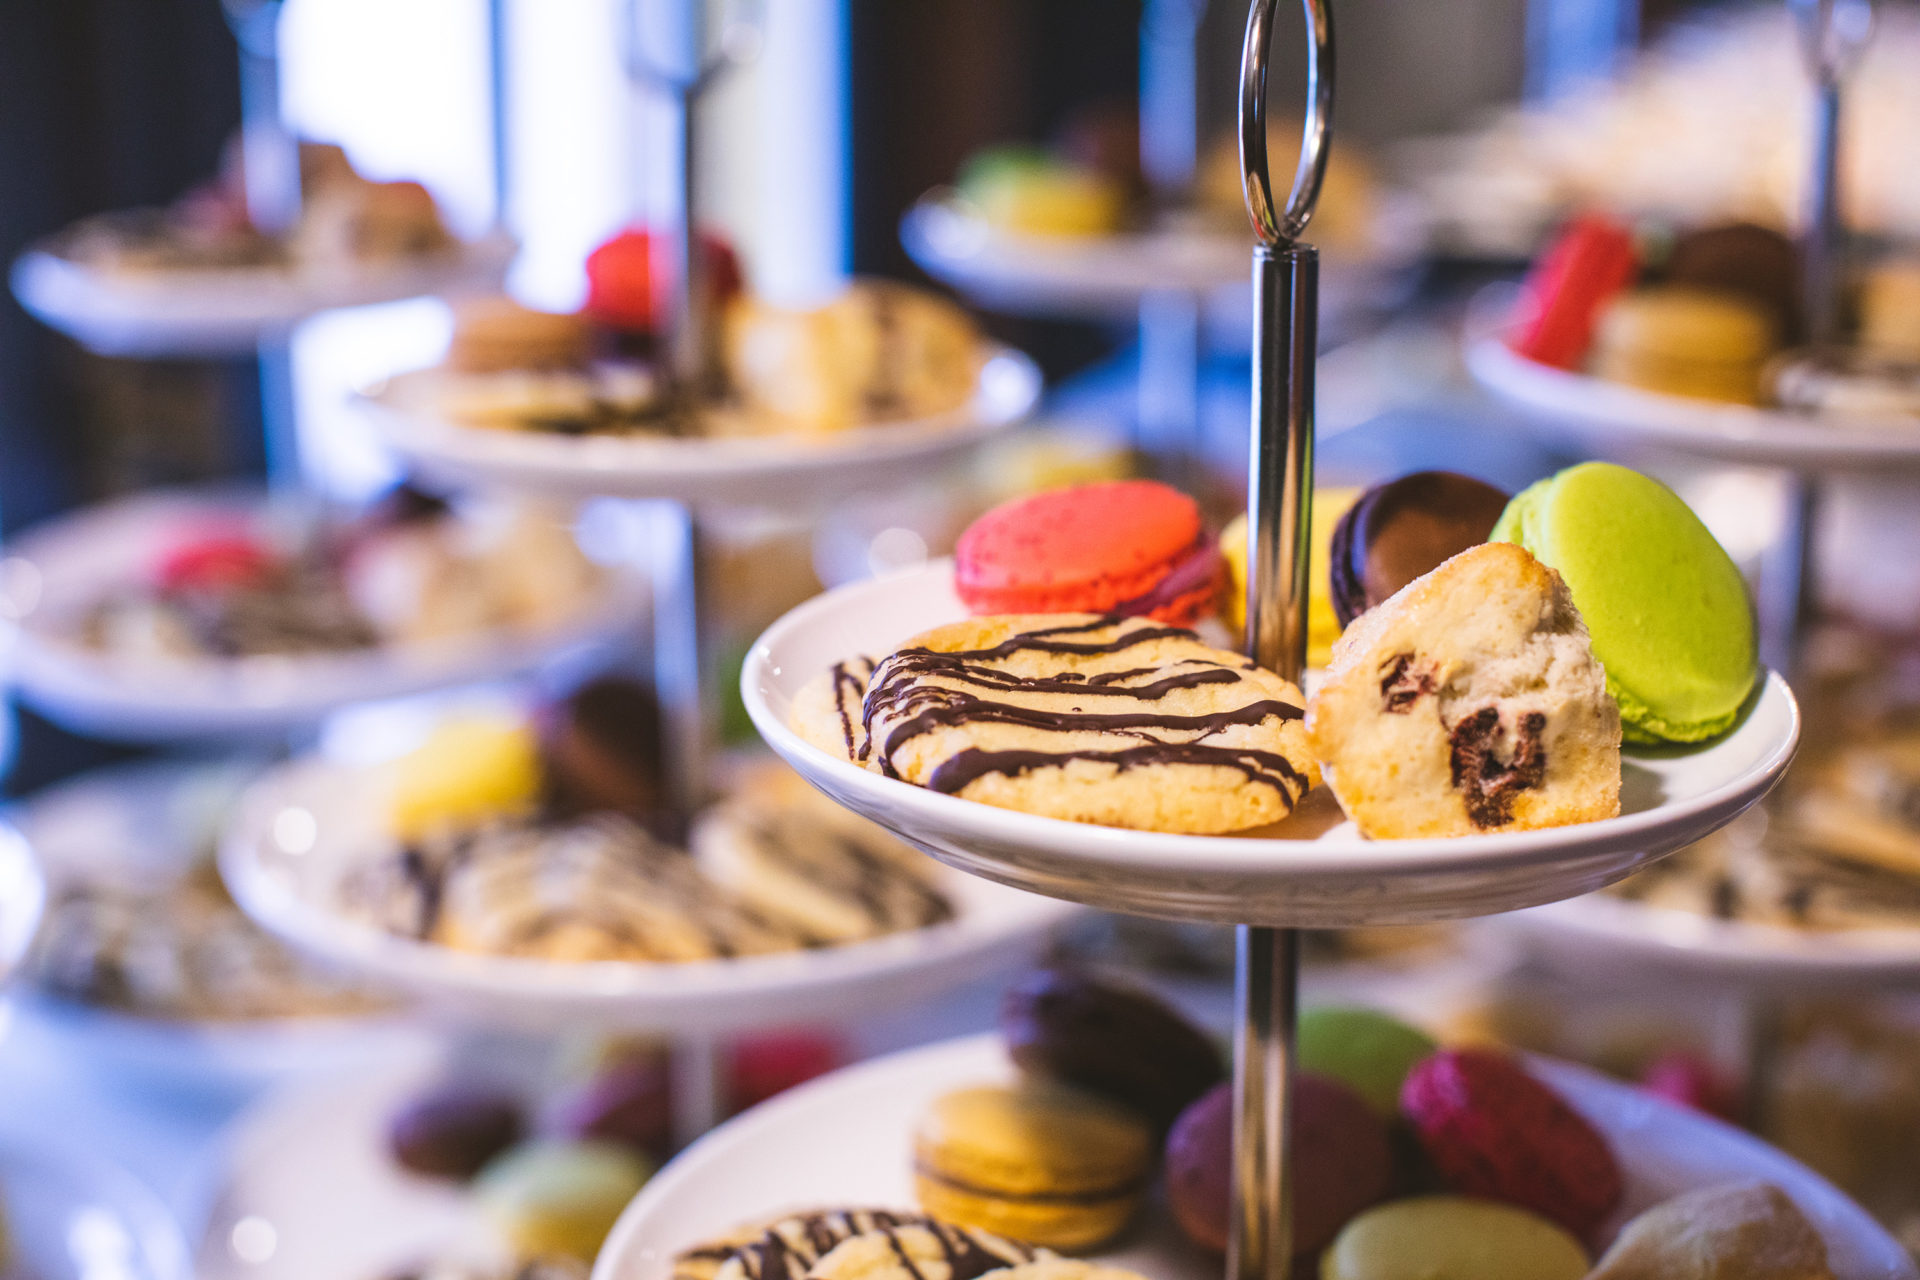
point(924, 1250)
point(1469, 701)
point(827, 711)
point(787, 1247)
point(1119, 722)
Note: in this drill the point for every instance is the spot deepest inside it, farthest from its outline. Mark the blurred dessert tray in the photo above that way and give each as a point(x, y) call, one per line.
point(1108, 277)
point(1609, 419)
point(221, 311)
point(1600, 934)
point(344, 1208)
point(23, 897)
point(744, 471)
point(1324, 875)
point(56, 573)
point(289, 873)
point(120, 839)
point(846, 1140)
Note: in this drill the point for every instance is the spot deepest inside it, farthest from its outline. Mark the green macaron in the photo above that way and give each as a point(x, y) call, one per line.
point(1365, 1050)
point(1664, 603)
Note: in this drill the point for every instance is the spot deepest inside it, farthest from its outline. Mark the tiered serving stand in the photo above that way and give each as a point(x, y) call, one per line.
point(1311, 871)
point(1604, 937)
point(285, 883)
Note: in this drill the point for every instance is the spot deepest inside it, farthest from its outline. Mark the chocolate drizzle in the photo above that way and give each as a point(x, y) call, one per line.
point(790, 1248)
point(1486, 784)
point(920, 691)
point(850, 689)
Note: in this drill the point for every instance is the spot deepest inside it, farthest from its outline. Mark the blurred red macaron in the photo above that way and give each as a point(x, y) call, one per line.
point(1131, 547)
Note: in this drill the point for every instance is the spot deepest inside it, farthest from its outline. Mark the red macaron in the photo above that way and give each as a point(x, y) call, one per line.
point(1131, 547)
point(626, 274)
point(1494, 1131)
point(1591, 260)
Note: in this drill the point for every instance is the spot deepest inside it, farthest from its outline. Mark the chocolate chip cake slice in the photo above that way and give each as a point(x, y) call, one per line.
point(1469, 702)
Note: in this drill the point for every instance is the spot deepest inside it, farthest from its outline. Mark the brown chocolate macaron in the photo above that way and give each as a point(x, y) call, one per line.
point(1749, 261)
point(1111, 1040)
point(1405, 528)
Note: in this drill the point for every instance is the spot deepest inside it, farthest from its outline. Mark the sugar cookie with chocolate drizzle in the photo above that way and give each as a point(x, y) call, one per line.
point(1121, 722)
point(1470, 701)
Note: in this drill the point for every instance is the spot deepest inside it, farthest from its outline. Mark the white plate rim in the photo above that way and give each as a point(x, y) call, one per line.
point(1606, 415)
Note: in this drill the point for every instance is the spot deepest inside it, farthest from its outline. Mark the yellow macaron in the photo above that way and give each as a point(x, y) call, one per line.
point(1038, 1162)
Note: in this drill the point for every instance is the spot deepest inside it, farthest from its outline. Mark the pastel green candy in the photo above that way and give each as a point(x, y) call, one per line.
point(1365, 1050)
point(1664, 603)
point(1452, 1238)
point(557, 1197)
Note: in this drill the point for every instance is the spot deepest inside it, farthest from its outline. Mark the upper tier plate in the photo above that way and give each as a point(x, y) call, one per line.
point(1309, 873)
point(227, 312)
point(1605, 935)
point(292, 890)
point(1107, 277)
point(59, 567)
point(846, 1141)
point(1609, 419)
point(782, 472)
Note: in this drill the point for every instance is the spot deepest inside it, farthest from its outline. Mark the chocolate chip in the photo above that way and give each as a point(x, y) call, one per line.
point(1402, 687)
point(1487, 785)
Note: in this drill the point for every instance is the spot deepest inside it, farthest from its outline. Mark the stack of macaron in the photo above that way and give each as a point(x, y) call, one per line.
point(1715, 313)
point(1415, 1162)
point(1496, 654)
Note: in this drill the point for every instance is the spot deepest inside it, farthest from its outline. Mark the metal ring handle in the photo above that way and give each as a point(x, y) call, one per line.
point(1284, 228)
point(739, 43)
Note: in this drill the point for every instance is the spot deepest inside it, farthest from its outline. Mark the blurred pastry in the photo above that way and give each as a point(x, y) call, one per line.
point(1864, 804)
point(1105, 137)
point(1469, 702)
point(880, 352)
point(1364, 1049)
point(1343, 220)
point(1742, 1231)
point(1746, 260)
point(1039, 1162)
point(1685, 342)
point(495, 334)
point(1029, 191)
point(925, 1250)
point(790, 1246)
point(1116, 1041)
point(628, 1101)
point(551, 1197)
point(1890, 310)
point(792, 855)
point(1402, 530)
point(626, 275)
point(350, 224)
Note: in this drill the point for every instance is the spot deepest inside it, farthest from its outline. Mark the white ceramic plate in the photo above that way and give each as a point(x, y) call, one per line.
point(216, 313)
point(1609, 419)
point(1600, 934)
point(770, 471)
point(72, 1215)
point(148, 822)
point(293, 893)
point(1107, 277)
point(845, 1140)
point(1315, 878)
point(54, 571)
point(307, 1191)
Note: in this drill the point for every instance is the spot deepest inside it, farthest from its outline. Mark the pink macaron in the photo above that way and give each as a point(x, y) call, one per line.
point(1131, 547)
